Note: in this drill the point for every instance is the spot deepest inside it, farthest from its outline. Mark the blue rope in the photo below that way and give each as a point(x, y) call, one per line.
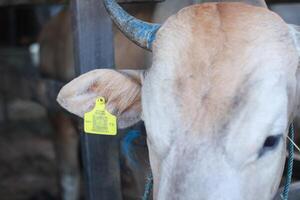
point(285, 193)
point(127, 146)
point(148, 187)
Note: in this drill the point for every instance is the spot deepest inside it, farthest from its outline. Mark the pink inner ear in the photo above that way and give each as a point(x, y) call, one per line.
point(92, 87)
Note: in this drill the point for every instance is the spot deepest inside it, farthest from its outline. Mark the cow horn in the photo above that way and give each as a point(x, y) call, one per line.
point(138, 31)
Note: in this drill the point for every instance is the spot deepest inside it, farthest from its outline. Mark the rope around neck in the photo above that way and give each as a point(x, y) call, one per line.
point(286, 189)
point(148, 187)
point(285, 193)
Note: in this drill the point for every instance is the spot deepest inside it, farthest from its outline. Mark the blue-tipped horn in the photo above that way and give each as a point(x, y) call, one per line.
point(140, 32)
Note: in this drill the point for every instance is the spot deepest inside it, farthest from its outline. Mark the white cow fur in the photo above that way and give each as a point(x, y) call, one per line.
point(223, 79)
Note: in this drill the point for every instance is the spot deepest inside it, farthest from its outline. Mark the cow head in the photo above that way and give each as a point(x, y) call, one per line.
point(217, 101)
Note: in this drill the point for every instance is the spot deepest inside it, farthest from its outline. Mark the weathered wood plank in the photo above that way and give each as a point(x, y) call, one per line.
point(93, 47)
point(24, 2)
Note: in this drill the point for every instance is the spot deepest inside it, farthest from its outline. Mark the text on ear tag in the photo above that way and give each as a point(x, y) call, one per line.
point(99, 120)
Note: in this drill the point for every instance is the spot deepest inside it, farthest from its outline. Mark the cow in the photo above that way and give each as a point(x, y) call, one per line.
point(216, 102)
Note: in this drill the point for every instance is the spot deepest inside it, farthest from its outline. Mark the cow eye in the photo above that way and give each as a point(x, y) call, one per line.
point(271, 142)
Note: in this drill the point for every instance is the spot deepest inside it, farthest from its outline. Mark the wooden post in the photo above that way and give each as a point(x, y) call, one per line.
point(93, 45)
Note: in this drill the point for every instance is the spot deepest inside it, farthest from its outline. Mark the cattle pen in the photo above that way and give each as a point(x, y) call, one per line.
point(101, 158)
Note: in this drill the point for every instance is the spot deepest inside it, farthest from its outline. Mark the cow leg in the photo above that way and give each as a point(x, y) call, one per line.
point(66, 147)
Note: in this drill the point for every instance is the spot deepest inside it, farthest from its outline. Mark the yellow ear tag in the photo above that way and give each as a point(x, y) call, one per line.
point(99, 120)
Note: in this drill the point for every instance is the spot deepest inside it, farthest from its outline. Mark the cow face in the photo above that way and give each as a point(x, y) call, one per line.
point(217, 101)
point(223, 83)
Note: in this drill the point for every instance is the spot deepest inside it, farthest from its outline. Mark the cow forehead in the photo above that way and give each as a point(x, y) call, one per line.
point(207, 57)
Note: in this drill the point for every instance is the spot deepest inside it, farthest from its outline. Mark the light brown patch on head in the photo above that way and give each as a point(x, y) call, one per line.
point(215, 51)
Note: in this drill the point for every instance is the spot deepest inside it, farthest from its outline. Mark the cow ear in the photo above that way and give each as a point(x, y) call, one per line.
point(121, 90)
